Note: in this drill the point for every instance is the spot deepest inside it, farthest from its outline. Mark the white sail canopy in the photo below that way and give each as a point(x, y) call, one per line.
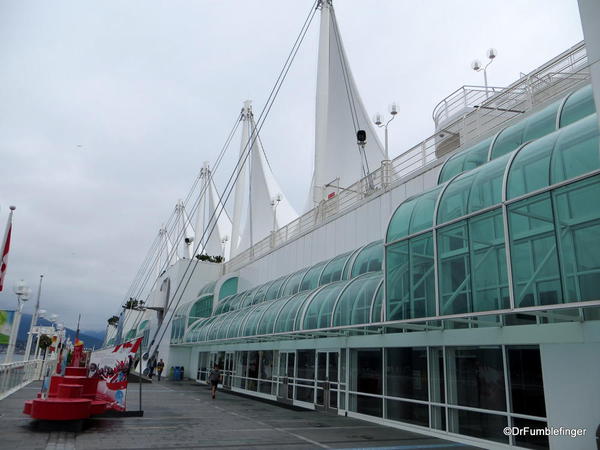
point(213, 226)
point(260, 205)
point(340, 113)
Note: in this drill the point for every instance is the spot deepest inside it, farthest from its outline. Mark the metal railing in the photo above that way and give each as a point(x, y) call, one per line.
point(461, 100)
point(14, 376)
point(486, 116)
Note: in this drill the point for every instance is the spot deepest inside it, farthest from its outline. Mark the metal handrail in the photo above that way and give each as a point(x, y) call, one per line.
point(14, 376)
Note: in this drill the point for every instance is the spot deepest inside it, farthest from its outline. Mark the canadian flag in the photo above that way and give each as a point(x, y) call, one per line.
point(5, 250)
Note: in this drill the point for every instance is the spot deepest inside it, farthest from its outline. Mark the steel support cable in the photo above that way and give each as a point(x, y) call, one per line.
point(234, 176)
point(179, 235)
point(151, 272)
point(345, 74)
point(246, 150)
point(138, 291)
point(349, 92)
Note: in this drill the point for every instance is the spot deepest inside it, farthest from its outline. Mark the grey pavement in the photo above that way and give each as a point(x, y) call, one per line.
point(182, 415)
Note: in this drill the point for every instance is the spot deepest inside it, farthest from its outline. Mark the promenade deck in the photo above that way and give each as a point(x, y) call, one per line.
point(182, 415)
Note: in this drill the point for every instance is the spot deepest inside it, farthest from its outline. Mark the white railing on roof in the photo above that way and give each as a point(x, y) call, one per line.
point(461, 100)
point(485, 115)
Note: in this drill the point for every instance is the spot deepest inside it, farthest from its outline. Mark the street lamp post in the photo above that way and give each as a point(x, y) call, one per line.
point(33, 321)
point(22, 291)
point(274, 203)
point(42, 314)
point(378, 120)
point(477, 67)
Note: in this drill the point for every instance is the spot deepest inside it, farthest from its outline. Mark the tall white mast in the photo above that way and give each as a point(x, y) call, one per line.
point(260, 205)
point(340, 113)
point(241, 196)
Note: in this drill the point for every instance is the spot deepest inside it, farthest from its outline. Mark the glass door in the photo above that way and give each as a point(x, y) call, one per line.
point(285, 391)
point(327, 380)
point(228, 370)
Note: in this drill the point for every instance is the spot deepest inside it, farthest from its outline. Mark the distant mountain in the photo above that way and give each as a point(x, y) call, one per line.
point(98, 334)
point(90, 339)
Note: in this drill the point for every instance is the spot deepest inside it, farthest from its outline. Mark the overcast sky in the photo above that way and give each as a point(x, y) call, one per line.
point(109, 108)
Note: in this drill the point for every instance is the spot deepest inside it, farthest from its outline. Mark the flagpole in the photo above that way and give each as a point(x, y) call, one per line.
point(33, 321)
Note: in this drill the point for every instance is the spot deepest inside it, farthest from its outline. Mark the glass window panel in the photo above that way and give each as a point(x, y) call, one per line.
point(486, 190)
point(578, 220)
point(377, 312)
point(453, 203)
point(488, 262)
point(236, 322)
point(354, 305)
point(452, 167)
point(508, 140)
point(526, 382)
point(410, 279)
point(366, 371)
point(268, 320)
point(229, 287)
point(531, 167)
point(318, 312)
point(251, 325)
point(415, 413)
point(287, 316)
point(247, 300)
point(466, 160)
point(273, 290)
point(261, 293)
point(306, 364)
point(292, 285)
point(369, 259)
point(333, 270)
point(400, 221)
point(454, 269)
point(422, 216)
point(406, 373)
point(253, 363)
point(201, 308)
point(534, 257)
point(363, 404)
point(311, 279)
point(541, 123)
point(579, 105)
point(479, 425)
point(528, 441)
point(576, 151)
point(476, 378)
point(477, 155)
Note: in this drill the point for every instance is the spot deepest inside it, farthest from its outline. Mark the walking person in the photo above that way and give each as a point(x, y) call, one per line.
point(214, 377)
point(159, 368)
point(152, 366)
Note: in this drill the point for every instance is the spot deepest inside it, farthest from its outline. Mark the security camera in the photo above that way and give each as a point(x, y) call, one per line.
point(188, 240)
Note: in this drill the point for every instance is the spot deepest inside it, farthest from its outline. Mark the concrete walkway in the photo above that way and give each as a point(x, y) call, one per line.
point(183, 416)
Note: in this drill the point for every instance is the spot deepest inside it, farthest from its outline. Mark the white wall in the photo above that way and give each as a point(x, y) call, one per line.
point(349, 231)
point(572, 389)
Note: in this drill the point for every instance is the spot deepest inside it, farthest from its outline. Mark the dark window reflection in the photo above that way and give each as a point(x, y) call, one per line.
point(368, 371)
point(406, 373)
point(408, 412)
point(479, 378)
point(485, 426)
point(526, 383)
point(306, 364)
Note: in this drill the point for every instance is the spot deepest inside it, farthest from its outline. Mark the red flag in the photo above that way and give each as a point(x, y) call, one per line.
point(5, 250)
